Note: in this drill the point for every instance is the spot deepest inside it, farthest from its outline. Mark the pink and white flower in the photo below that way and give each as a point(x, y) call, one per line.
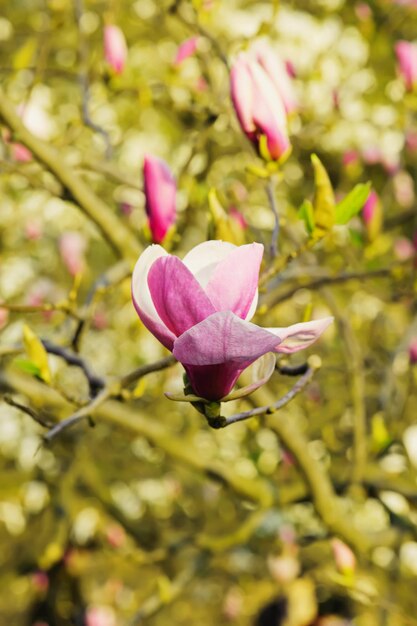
point(200, 307)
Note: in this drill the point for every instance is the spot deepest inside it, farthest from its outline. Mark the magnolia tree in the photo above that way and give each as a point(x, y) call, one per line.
point(208, 322)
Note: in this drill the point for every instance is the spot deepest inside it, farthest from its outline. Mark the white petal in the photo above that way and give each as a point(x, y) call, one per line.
point(300, 336)
point(140, 290)
point(202, 259)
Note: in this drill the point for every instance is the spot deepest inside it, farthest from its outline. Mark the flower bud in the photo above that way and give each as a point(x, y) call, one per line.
point(412, 351)
point(372, 215)
point(72, 248)
point(185, 50)
point(160, 195)
point(115, 48)
point(406, 52)
point(344, 558)
point(259, 108)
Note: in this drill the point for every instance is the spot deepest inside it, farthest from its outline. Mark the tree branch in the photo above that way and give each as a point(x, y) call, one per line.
point(275, 406)
point(133, 420)
point(114, 231)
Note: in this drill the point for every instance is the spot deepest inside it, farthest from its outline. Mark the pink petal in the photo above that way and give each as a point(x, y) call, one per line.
point(204, 258)
point(178, 298)
point(185, 50)
point(233, 285)
point(243, 94)
point(261, 371)
point(406, 52)
point(269, 113)
point(299, 336)
point(218, 349)
point(141, 296)
point(277, 72)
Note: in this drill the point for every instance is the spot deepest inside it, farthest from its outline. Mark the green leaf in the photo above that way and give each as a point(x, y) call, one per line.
point(36, 353)
point(323, 203)
point(28, 367)
point(352, 203)
point(306, 213)
point(24, 56)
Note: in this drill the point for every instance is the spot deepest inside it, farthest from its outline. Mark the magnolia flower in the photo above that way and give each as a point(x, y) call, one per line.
point(185, 50)
point(115, 48)
point(277, 72)
point(259, 106)
point(160, 192)
point(200, 307)
point(407, 62)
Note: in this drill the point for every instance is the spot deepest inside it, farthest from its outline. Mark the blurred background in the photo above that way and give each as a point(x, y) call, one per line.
point(143, 514)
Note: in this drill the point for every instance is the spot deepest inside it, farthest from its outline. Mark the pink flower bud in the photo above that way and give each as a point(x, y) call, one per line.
point(160, 195)
point(404, 249)
point(411, 140)
point(115, 48)
point(115, 535)
point(350, 157)
point(344, 558)
point(185, 50)
point(238, 217)
point(4, 317)
point(412, 351)
point(40, 581)
point(372, 215)
point(20, 153)
point(126, 208)
point(33, 230)
point(363, 11)
point(407, 62)
point(100, 616)
point(259, 106)
point(72, 247)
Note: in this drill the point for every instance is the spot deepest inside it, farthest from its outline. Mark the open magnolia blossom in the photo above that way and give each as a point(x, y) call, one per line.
point(199, 309)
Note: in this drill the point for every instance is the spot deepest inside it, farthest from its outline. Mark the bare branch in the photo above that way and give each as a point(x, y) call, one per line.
point(271, 408)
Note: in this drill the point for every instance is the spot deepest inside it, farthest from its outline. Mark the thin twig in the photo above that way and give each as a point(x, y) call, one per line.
point(265, 410)
point(84, 81)
point(46, 307)
point(116, 274)
point(96, 383)
point(272, 299)
point(26, 409)
point(79, 415)
point(111, 390)
point(270, 192)
point(143, 370)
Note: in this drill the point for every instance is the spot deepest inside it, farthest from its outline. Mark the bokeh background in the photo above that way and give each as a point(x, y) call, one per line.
point(150, 516)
